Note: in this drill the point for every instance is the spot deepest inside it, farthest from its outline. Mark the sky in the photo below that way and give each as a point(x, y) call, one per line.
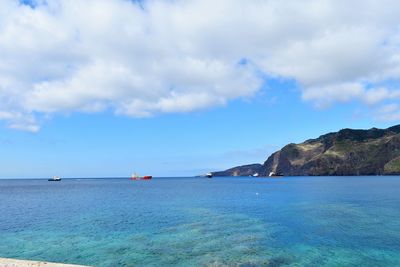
point(104, 88)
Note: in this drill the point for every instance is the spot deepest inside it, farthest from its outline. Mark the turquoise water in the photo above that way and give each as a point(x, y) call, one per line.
point(299, 221)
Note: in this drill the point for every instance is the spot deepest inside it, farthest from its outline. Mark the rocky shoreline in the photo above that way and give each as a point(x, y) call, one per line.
point(4, 262)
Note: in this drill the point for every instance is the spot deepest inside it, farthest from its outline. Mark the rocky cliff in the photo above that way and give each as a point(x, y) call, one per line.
point(347, 152)
point(245, 170)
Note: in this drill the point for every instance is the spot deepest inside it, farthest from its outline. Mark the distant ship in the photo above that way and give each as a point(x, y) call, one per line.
point(209, 175)
point(54, 179)
point(255, 175)
point(135, 176)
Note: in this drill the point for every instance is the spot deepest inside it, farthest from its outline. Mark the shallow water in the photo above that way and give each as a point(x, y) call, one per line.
point(299, 221)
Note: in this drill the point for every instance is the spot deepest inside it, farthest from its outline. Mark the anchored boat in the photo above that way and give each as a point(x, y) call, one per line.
point(275, 175)
point(54, 179)
point(135, 176)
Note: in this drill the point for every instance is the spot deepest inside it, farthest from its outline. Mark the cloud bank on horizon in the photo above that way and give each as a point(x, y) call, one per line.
point(149, 57)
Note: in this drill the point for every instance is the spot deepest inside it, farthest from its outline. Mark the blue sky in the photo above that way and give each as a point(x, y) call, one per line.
point(105, 88)
point(105, 145)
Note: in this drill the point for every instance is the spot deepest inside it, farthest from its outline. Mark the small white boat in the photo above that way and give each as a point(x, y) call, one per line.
point(255, 175)
point(273, 174)
point(209, 175)
point(55, 179)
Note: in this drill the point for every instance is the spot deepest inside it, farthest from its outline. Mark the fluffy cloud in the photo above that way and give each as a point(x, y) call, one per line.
point(148, 57)
point(389, 112)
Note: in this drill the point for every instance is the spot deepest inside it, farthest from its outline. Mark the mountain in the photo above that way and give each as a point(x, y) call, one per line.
point(347, 152)
point(245, 170)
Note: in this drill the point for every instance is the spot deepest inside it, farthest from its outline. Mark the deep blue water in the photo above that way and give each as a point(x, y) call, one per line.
point(299, 221)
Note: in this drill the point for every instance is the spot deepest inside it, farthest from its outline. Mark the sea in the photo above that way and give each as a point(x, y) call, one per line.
point(232, 221)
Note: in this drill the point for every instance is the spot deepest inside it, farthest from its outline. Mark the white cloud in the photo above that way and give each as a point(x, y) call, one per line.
point(380, 94)
point(343, 92)
point(326, 94)
point(389, 112)
point(20, 121)
point(179, 56)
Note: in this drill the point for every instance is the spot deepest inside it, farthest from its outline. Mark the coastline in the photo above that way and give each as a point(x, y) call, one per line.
point(6, 262)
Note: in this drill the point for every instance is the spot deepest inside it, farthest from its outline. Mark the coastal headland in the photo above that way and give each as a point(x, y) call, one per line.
point(347, 152)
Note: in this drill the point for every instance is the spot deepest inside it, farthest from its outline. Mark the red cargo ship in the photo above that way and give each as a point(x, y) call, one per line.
point(137, 177)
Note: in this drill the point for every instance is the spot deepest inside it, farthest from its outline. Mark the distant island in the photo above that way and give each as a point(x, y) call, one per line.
point(347, 152)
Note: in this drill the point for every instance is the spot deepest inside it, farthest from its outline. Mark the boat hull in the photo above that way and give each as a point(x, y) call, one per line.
point(147, 177)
